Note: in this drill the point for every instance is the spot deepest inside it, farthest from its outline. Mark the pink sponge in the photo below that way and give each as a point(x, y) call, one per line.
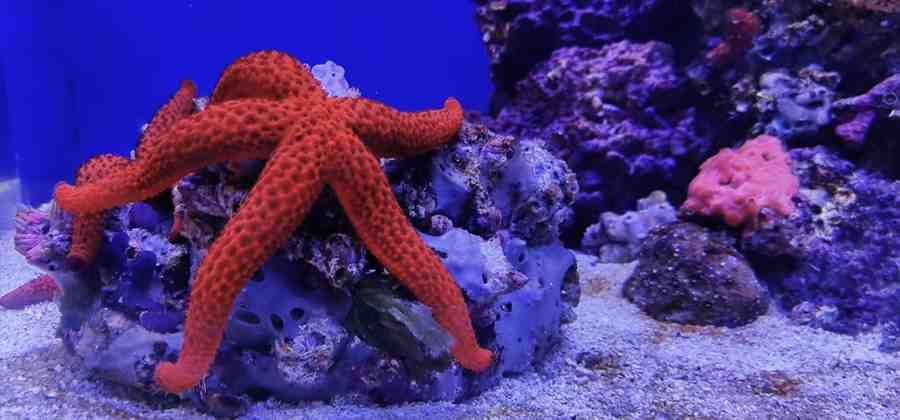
point(737, 184)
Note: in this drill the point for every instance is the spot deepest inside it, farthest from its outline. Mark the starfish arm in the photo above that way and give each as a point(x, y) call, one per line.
point(267, 75)
point(235, 130)
point(180, 106)
point(87, 228)
point(277, 204)
point(366, 196)
point(391, 133)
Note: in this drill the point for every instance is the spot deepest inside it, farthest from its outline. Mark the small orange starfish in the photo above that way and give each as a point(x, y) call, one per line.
point(40, 289)
point(267, 105)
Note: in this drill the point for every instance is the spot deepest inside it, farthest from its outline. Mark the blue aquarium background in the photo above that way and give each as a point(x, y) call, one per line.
point(80, 78)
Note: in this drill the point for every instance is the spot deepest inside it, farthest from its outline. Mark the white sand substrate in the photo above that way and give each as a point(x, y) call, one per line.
point(647, 370)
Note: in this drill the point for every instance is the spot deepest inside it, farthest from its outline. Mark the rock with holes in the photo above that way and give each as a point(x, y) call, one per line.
point(491, 208)
point(322, 317)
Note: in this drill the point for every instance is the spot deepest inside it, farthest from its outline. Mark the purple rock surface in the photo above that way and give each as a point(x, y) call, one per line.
point(618, 117)
point(519, 34)
point(322, 317)
point(832, 265)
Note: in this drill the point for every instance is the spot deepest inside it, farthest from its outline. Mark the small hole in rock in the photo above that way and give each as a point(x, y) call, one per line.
point(296, 314)
point(277, 323)
point(247, 316)
point(258, 277)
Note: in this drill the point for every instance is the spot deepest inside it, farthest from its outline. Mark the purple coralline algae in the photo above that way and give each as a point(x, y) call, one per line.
point(519, 34)
point(633, 113)
point(619, 117)
point(487, 183)
point(834, 263)
point(688, 274)
point(882, 100)
point(40, 236)
point(322, 317)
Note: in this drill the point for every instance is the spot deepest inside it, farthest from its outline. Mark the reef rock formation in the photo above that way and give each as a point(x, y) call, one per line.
point(833, 265)
point(690, 275)
point(322, 317)
point(618, 117)
point(795, 106)
point(519, 34)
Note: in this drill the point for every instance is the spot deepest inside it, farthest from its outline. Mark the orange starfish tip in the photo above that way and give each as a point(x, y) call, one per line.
point(453, 104)
point(171, 379)
point(477, 360)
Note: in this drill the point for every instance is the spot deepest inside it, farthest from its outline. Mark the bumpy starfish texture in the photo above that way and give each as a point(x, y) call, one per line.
point(268, 106)
point(87, 228)
point(179, 106)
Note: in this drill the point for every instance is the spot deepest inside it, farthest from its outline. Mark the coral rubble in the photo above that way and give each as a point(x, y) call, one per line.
point(617, 238)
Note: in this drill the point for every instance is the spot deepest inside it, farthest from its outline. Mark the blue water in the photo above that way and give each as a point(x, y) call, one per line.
point(80, 78)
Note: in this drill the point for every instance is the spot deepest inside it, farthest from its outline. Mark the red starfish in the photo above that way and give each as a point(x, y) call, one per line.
point(87, 228)
point(42, 288)
point(267, 106)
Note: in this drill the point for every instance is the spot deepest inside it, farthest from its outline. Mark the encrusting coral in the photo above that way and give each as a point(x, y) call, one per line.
point(737, 185)
point(266, 105)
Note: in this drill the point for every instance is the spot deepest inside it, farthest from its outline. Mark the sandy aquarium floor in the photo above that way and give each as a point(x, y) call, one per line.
point(613, 363)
